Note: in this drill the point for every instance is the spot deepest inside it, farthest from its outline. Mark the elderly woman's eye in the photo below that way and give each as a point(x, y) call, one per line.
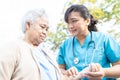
point(42, 26)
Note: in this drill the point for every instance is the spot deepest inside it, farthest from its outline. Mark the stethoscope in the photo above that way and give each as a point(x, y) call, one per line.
point(76, 60)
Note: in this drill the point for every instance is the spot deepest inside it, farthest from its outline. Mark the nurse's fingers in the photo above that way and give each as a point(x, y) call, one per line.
point(94, 67)
point(98, 67)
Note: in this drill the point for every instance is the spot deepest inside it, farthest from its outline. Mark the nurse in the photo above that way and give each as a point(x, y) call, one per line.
point(88, 53)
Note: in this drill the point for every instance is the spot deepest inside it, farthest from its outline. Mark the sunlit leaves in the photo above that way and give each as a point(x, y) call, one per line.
point(92, 1)
point(97, 12)
point(56, 38)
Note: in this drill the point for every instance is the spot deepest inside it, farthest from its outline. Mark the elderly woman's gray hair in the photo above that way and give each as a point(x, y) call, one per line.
point(31, 17)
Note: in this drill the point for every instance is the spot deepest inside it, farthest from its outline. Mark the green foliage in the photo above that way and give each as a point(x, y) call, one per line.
point(58, 36)
point(112, 10)
point(115, 34)
point(97, 12)
point(103, 10)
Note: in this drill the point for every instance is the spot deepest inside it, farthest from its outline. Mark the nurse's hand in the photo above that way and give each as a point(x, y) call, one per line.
point(72, 71)
point(94, 72)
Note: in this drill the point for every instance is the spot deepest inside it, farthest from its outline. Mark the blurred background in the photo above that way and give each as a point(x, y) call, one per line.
point(11, 12)
point(106, 11)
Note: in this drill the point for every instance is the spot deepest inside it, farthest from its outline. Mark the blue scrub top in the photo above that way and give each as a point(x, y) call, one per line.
point(107, 51)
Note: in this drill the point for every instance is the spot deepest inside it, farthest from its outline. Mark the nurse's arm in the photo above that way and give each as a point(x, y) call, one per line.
point(114, 71)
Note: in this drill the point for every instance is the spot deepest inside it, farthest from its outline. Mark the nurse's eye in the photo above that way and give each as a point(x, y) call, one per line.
point(74, 21)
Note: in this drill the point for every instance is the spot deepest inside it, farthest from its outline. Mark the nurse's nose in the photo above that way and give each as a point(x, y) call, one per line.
point(70, 26)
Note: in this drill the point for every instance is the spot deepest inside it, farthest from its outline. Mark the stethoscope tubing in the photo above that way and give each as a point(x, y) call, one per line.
point(91, 41)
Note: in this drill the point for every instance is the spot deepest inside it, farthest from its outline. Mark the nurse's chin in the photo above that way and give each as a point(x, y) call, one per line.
point(74, 34)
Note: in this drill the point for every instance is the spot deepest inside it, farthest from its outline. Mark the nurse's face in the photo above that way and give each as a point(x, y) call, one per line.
point(77, 25)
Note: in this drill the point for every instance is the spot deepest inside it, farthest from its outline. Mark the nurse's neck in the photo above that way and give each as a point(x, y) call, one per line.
point(81, 37)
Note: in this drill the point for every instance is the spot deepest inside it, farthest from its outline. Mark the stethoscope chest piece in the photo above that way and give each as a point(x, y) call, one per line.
point(76, 60)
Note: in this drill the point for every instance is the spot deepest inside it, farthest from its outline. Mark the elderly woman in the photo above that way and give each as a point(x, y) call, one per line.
point(23, 59)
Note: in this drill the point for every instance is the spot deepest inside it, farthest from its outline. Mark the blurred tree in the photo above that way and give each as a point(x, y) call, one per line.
point(55, 38)
point(103, 10)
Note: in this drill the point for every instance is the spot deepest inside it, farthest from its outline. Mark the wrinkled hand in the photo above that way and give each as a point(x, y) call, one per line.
point(72, 71)
point(76, 77)
point(93, 72)
point(80, 75)
point(73, 74)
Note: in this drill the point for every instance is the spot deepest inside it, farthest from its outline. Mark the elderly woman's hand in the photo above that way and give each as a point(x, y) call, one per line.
point(72, 71)
point(93, 72)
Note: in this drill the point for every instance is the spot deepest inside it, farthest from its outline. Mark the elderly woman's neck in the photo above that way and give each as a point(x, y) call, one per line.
point(28, 40)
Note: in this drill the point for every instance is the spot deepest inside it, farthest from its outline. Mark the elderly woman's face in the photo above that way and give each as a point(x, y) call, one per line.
point(38, 31)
